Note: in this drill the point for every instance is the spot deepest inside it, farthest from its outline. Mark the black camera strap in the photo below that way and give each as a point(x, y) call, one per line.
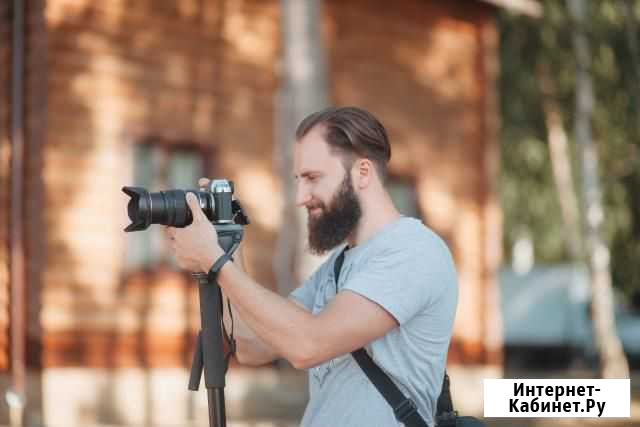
point(228, 336)
point(404, 408)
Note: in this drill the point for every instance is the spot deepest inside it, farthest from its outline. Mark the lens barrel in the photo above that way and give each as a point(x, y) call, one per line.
point(164, 207)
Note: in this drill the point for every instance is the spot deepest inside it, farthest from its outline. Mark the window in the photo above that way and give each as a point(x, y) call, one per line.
point(160, 167)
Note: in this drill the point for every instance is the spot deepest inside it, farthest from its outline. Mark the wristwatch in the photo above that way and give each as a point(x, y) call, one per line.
point(215, 268)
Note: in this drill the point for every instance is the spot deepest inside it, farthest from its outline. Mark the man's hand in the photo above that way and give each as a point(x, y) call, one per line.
point(196, 246)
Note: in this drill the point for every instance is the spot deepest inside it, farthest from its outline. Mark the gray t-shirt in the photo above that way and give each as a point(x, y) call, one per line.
point(408, 270)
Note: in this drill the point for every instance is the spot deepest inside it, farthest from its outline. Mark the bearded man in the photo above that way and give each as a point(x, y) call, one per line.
point(395, 295)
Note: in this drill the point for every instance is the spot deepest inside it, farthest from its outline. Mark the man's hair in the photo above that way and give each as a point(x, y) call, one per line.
point(353, 132)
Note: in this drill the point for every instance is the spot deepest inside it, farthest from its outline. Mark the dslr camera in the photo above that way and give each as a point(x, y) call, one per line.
point(170, 208)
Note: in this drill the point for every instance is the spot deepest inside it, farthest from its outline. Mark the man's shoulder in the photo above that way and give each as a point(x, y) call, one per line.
point(412, 232)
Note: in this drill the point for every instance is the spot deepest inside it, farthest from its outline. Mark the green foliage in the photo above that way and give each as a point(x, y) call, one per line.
point(527, 191)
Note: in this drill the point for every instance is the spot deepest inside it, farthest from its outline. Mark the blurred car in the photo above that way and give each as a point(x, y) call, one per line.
point(547, 320)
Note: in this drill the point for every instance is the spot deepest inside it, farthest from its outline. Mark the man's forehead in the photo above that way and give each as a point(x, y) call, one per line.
point(312, 153)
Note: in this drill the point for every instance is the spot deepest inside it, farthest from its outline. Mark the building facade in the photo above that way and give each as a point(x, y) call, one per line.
point(158, 93)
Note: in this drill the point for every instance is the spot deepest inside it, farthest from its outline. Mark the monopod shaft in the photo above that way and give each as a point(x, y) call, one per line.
point(209, 351)
point(215, 399)
point(210, 345)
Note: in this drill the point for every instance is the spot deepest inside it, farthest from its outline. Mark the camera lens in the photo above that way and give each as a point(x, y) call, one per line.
point(164, 207)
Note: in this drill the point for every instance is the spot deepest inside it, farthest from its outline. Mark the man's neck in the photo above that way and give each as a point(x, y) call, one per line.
point(371, 222)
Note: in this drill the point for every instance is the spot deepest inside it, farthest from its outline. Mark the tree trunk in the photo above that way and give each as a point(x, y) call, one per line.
point(631, 32)
point(561, 164)
point(612, 358)
point(304, 90)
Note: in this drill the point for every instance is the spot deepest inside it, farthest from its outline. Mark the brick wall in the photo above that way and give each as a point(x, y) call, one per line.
point(194, 72)
point(34, 125)
point(5, 61)
point(427, 69)
point(205, 73)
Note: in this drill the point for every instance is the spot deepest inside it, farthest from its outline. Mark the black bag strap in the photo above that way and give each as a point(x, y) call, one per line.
point(404, 409)
point(337, 266)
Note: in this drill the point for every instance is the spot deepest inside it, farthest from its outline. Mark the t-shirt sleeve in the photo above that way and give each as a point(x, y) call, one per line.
point(402, 281)
point(305, 294)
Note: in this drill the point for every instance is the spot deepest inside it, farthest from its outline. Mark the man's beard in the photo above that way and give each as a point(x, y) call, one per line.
point(337, 221)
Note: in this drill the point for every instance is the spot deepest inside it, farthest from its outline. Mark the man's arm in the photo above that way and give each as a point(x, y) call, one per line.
point(349, 322)
point(250, 349)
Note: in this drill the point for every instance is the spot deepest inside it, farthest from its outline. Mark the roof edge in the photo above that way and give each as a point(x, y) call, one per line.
point(531, 8)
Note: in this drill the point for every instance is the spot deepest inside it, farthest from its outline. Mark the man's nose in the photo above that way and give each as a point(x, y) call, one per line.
point(302, 195)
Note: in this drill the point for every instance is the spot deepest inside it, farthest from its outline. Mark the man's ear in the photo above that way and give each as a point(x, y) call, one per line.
point(364, 173)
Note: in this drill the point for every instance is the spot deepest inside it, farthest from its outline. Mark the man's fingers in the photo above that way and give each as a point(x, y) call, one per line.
point(203, 182)
point(196, 211)
point(169, 232)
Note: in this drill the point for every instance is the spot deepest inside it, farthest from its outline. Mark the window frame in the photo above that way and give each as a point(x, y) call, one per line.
point(161, 151)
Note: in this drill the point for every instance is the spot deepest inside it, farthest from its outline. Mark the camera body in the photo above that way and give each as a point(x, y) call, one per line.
point(170, 208)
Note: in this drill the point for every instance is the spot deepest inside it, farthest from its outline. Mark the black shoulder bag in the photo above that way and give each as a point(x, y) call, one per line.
point(404, 408)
